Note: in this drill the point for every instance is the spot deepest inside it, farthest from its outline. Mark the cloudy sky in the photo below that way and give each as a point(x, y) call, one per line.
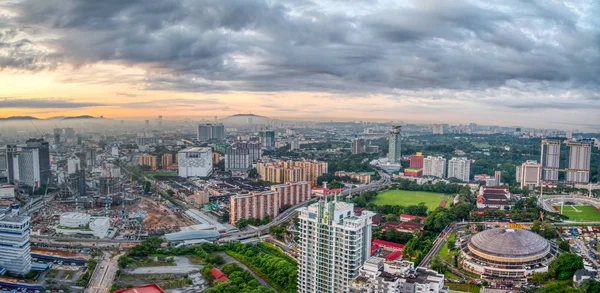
point(507, 62)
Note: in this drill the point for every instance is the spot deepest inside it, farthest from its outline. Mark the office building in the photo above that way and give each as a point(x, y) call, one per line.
point(90, 158)
point(529, 174)
point(258, 205)
point(69, 132)
point(437, 128)
point(291, 171)
point(267, 139)
point(380, 276)
point(31, 163)
point(358, 145)
point(334, 243)
point(211, 131)
point(56, 136)
point(11, 161)
point(159, 120)
point(459, 168)
point(149, 160)
point(73, 164)
point(3, 166)
point(416, 161)
point(195, 162)
point(550, 158)
point(166, 160)
point(15, 255)
point(395, 141)
point(578, 162)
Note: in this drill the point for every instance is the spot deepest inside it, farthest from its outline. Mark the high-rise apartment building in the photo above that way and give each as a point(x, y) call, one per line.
point(529, 174)
point(57, 132)
point(15, 255)
point(459, 168)
point(291, 171)
point(550, 158)
point(358, 145)
point(416, 161)
point(3, 166)
point(434, 166)
point(334, 243)
point(267, 139)
point(437, 128)
point(237, 159)
point(211, 131)
point(73, 164)
point(90, 158)
point(578, 162)
point(258, 205)
point(195, 162)
point(166, 160)
point(149, 160)
point(395, 141)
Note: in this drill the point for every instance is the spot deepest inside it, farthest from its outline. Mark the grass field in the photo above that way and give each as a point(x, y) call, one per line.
point(472, 288)
point(581, 213)
point(406, 198)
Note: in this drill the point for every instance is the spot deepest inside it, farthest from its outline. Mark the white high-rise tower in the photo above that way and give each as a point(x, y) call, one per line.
point(394, 154)
point(334, 244)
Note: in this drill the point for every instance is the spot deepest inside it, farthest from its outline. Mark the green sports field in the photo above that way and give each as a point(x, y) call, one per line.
point(406, 198)
point(581, 213)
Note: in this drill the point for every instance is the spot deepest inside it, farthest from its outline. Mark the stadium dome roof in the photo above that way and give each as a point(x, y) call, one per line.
point(509, 243)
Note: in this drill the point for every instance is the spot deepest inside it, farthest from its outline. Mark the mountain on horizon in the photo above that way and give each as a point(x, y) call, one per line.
point(18, 118)
point(245, 119)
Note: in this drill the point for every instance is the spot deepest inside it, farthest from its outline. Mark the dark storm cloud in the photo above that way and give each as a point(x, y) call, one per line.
point(321, 46)
point(49, 103)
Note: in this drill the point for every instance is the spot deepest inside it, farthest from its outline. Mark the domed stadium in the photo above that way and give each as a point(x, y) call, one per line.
point(507, 255)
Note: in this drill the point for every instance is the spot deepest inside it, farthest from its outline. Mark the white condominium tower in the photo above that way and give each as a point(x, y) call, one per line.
point(15, 253)
point(434, 166)
point(394, 154)
point(459, 168)
point(550, 159)
point(334, 244)
point(578, 162)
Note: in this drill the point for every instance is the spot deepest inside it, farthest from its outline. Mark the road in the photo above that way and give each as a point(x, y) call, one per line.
point(229, 259)
point(104, 275)
point(286, 215)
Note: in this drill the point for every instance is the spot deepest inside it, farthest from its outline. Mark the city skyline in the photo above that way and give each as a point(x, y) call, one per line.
point(530, 64)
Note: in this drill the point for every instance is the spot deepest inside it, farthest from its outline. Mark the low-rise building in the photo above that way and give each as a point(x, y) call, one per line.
point(493, 197)
point(413, 172)
point(362, 177)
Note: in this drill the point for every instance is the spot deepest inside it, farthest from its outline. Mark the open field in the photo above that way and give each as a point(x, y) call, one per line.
point(472, 288)
point(580, 213)
point(406, 198)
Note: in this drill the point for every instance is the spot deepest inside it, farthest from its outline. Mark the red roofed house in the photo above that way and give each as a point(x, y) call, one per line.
point(150, 288)
point(407, 217)
point(374, 248)
point(443, 203)
point(394, 255)
point(390, 225)
point(387, 245)
point(218, 275)
point(409, 227)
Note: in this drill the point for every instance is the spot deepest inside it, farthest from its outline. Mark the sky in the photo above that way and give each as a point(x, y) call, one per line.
point(504, 62)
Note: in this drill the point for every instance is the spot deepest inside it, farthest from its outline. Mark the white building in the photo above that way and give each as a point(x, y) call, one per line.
point(15, 255)
point(437, 128)
point(195, 162)
point(74, 220)
point(395, 147)
point(73, 164)
point(377, 276)
point(529, 174)
point(237, 159)
point(578, 162)
point(114, 151)
point(434, 166)
point(7, 191)
point(79, 223)
point(334, 243)
point(459, 168)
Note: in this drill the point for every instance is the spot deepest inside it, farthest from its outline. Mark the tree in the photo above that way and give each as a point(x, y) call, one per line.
point(225, 216)
point(565, 265)
point(438, 265)
point(557, 287)
point(564, 245)
point(590, 286)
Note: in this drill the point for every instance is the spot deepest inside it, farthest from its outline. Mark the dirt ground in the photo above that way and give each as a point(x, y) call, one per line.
point(161, 216)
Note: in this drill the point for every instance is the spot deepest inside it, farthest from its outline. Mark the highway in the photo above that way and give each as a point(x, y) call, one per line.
point(104, 274)
point(286, 215)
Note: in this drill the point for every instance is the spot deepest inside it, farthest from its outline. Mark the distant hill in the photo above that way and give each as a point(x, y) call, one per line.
point(245, 119)
point(16, 118)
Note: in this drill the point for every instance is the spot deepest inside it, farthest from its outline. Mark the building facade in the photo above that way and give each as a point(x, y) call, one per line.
point(395, 141)
point(459, 168)
point(15, 255)
point(529, 174)
point(267, 139)
point(73, 165)
point(237, 159)
point(334, 243)
point(195, 162)
point(149, 160)
point(358, 145)
point(550, 158)
point(166, 160)
point(416, 160)
point(291, 171)
point(210, 131)
point(434, 166)
point(258, 205)
point(578, 162)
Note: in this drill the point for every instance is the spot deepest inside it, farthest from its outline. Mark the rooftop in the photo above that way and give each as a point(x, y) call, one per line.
point(511, 243)
point(196, 150)
point(150, 288)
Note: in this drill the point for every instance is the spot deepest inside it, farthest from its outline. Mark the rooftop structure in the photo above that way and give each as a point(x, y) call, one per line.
point(195, 162)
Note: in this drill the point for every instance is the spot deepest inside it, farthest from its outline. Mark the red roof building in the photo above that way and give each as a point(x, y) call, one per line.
point(150, 288)
point(388, 245)
point(394, 255)
point(443, 203)
point(374, 248)
point(390, 225)
point(409, 227)
point(416, 161)
point(218, 275)
point(407, 217)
